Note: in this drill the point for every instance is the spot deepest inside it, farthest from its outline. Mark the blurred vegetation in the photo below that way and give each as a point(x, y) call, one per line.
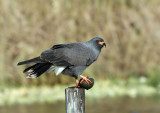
point(130, 27)
point(103, 89)
point(154, 79)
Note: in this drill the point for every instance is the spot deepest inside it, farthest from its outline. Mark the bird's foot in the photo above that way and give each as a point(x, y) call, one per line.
point(77, 84)
point(86, 79)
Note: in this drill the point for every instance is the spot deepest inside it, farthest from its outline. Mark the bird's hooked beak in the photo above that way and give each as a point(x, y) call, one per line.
point(102, 43)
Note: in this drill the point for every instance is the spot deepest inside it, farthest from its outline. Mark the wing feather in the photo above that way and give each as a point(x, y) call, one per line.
point(69, 54)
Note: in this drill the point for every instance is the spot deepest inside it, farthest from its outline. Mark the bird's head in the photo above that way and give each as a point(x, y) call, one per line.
point(99, 42)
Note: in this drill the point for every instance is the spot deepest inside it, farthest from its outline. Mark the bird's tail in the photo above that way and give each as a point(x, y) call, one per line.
point(34, 60)
point(37, 69)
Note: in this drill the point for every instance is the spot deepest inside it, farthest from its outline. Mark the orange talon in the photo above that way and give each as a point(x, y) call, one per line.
point(77, 84)
point(90, 81)
point(86, 79)
point(81, 81)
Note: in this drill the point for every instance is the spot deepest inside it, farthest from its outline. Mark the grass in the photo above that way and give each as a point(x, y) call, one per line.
point(132, 88)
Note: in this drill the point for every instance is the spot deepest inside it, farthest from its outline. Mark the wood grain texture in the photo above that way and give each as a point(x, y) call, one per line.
point(75, 100)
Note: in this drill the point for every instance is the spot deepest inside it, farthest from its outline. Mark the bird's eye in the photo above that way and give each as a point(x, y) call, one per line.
point(97, 41)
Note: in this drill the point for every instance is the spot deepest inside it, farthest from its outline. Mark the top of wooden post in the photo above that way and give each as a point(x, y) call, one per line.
point(75, 100)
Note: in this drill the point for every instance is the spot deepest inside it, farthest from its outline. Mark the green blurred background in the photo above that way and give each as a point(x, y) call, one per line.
point(128, 66)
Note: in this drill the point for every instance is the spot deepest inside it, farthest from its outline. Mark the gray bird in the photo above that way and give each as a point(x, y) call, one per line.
point(69, 59)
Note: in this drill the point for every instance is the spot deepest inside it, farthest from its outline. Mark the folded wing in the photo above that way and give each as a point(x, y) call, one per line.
point(76, 54)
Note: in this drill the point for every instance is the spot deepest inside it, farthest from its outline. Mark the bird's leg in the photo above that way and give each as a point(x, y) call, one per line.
point(77, 83)
point(86, 79)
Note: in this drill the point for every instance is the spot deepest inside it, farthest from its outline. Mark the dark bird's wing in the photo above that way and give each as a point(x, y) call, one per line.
point(77, 54)
point(33, 60)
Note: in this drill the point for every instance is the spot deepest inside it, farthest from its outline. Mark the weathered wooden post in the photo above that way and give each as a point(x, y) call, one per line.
point(75, 100)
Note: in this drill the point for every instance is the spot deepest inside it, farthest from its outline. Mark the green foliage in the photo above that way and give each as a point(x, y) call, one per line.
point(154, 78)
